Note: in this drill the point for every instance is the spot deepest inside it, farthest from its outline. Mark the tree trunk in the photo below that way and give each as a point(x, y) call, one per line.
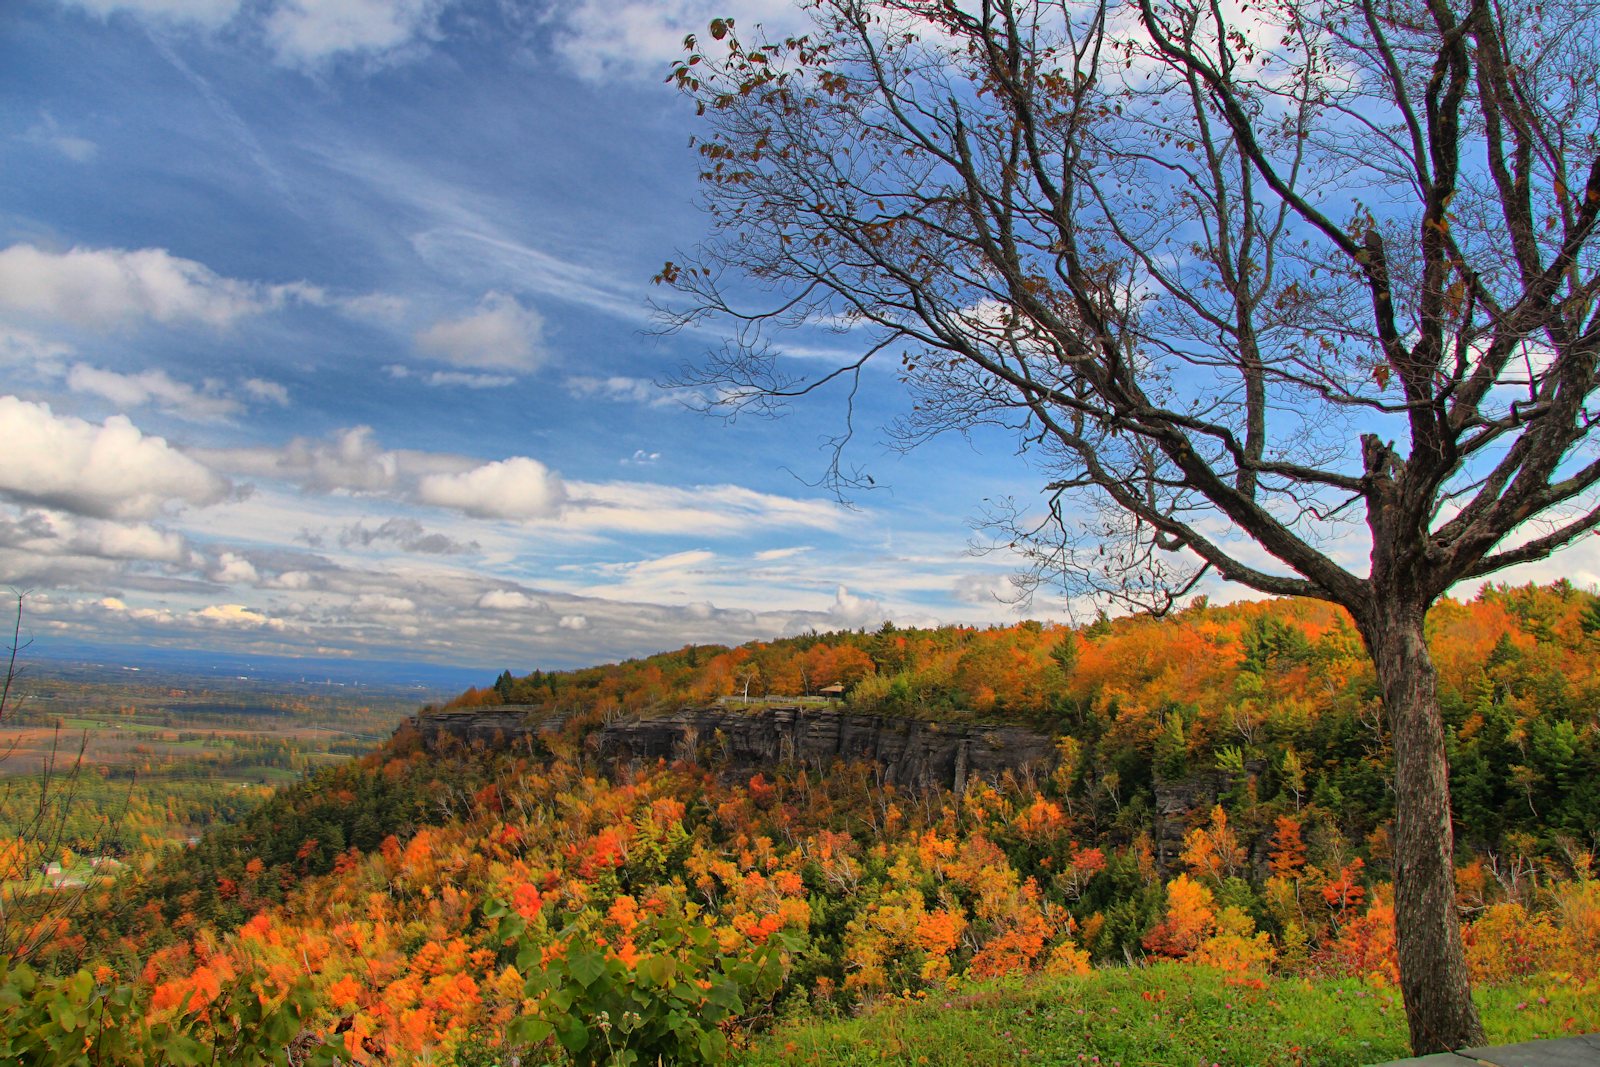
point(1433, 968)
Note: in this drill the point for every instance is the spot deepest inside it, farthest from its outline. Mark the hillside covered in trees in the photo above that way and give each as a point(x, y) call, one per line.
point(1221, 801)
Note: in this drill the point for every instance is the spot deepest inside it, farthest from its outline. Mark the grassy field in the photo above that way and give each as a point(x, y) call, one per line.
point(1162, 1015)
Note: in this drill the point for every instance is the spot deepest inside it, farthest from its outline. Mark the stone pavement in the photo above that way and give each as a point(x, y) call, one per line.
point(1564, 1052)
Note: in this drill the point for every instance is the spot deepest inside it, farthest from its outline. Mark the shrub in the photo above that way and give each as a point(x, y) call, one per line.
point(669, 992)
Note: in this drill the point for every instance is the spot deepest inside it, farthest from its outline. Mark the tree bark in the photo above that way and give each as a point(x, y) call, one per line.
point(1433, 967)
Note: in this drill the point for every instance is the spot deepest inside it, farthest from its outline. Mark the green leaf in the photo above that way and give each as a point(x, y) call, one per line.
point(725, 995)
point(64, 1015)
point(657, 970)
point(713, 1046)
point(586, 967)
point(529, 1030)
point(81, 987)
point(326, 1055)
point(572, 1034)
point(182, 1051)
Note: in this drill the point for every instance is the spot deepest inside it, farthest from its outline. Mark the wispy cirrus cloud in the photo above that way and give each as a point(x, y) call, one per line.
point(462, 233)
point(47, 131)
point(712, 510)
point(209, 14)
point(770, 554)
point(476, 248)
point(621, 389)
point(266, 391)
point(43, 356)
point(447, 378)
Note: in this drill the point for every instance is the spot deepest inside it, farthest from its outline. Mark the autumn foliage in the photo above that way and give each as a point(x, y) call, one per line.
point(1220, 800)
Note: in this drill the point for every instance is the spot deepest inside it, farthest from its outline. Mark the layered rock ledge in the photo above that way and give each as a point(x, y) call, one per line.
point(911, 753)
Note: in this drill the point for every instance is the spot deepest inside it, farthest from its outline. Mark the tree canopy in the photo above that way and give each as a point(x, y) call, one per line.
point(1300, 292)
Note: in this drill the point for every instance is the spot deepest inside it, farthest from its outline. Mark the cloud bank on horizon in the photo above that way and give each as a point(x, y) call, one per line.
point(324, 330)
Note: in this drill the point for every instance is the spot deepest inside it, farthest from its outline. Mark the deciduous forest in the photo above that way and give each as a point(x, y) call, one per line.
point(1216, 831)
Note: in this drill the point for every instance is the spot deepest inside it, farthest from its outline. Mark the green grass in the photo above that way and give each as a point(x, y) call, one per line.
point(78, 724)
point(257, 774)
point(1160, 1015)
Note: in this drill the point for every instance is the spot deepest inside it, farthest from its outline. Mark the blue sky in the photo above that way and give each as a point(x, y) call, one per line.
point(324, 331)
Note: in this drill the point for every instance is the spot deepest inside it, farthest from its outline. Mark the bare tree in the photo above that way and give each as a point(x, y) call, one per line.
point(1301, 293)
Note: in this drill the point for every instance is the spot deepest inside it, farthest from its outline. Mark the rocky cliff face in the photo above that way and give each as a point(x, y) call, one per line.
point(498, 727)
point(912, 753)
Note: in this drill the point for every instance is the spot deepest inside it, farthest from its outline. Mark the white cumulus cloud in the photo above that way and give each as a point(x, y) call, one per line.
point(109, 471)
point(515, 488)
point(301, 33)
point(49, 533)
point(132, 541)
point(849, 610)
point(383, 604)
point(311, 31)
point(110, 287)
point(292, 581)
point(237, 616)
point(116, 606)
point(500, 335)
point(506, 600)
point(605, 39)
point(351, 460)
point(985, 590)
point(152, 387)
point(230, 568)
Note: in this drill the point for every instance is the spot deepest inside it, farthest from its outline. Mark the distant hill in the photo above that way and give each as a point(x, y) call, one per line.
point(109, 659)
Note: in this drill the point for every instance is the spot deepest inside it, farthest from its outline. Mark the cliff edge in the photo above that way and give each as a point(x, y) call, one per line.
point(912, 753)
